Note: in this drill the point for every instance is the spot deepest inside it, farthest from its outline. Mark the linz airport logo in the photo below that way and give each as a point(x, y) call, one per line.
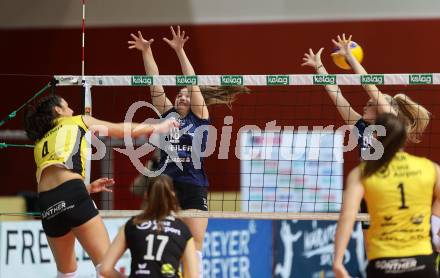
point(374, 79)
point(185, 80)
point(324, 79)
point(277, 80)
point(141, 80)
point(420, 78)
point(231, 80)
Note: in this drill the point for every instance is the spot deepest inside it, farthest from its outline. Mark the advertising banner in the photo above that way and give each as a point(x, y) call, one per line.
point(24, 251)
point(305, 250)
point(238, 249)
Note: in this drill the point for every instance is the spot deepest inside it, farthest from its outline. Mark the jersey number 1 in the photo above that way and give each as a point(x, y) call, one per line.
point(45, 150)
point(150, 243)
point(402, 196)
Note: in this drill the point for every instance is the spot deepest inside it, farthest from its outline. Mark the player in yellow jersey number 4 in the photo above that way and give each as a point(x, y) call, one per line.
point(60, 153)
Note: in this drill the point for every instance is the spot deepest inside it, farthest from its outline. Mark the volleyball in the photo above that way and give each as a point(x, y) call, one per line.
point(340, 61)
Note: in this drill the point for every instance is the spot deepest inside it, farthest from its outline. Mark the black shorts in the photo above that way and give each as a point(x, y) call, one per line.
point(365, 224)
point(191, 196)
point(406, 267)
point(64, 207)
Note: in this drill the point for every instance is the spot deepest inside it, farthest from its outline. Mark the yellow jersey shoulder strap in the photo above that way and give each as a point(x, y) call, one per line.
point(74, 120)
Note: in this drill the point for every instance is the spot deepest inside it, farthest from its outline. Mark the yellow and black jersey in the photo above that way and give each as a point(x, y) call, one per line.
point(399, 200)
point(156, 248)
point(63, 145)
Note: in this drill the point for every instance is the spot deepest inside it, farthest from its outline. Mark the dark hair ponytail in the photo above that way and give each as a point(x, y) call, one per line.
point(161, 200)
point(394, 140)
point(38, 119)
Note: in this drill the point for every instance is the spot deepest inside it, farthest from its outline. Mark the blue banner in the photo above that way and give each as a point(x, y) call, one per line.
point(238, 248)
point(304, 249)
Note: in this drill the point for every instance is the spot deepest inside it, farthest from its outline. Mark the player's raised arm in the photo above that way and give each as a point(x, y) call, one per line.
point(158, 96)
point(198, 105)
point(343, 44)
point(348, 114)
point(134, 129)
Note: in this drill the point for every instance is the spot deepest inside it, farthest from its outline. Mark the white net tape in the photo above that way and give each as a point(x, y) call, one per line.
point(242, 215)
point(252, 80)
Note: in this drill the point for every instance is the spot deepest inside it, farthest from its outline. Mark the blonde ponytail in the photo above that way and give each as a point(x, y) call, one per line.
point(416, 116)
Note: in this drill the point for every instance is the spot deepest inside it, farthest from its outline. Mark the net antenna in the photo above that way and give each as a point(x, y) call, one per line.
point(83, 37)
point(87, 94)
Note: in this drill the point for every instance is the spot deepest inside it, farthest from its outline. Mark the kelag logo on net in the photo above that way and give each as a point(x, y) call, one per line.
point(141, 80)
point(186, 80)
point(231, 80)
point(277, 80)
point(372, 79)
point(420, 78)
point(324, 79)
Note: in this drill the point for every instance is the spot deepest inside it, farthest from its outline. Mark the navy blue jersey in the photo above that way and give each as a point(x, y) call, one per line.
point(364, 140)
point(183, 142)
point(156, 252)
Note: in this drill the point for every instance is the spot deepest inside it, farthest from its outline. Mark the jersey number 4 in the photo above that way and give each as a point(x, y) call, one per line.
point(150, 243)
point(45, 150)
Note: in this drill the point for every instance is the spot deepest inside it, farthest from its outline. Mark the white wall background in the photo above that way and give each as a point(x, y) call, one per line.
point(67, 13)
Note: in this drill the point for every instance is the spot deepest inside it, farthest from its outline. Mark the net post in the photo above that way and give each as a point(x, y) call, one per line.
point(53, 84)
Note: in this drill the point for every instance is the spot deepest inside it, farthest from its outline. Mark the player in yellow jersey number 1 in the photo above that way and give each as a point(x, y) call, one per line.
point(398, 189)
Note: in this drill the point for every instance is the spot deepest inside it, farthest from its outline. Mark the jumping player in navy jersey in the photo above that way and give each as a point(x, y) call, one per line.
point(158, 241)
point(415, 115)
point(190, 105)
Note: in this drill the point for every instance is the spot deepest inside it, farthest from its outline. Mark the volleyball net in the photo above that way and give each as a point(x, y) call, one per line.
point(280, 152)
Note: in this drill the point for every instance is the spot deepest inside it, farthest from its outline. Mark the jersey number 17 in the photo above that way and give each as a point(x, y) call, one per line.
point(150, 243)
